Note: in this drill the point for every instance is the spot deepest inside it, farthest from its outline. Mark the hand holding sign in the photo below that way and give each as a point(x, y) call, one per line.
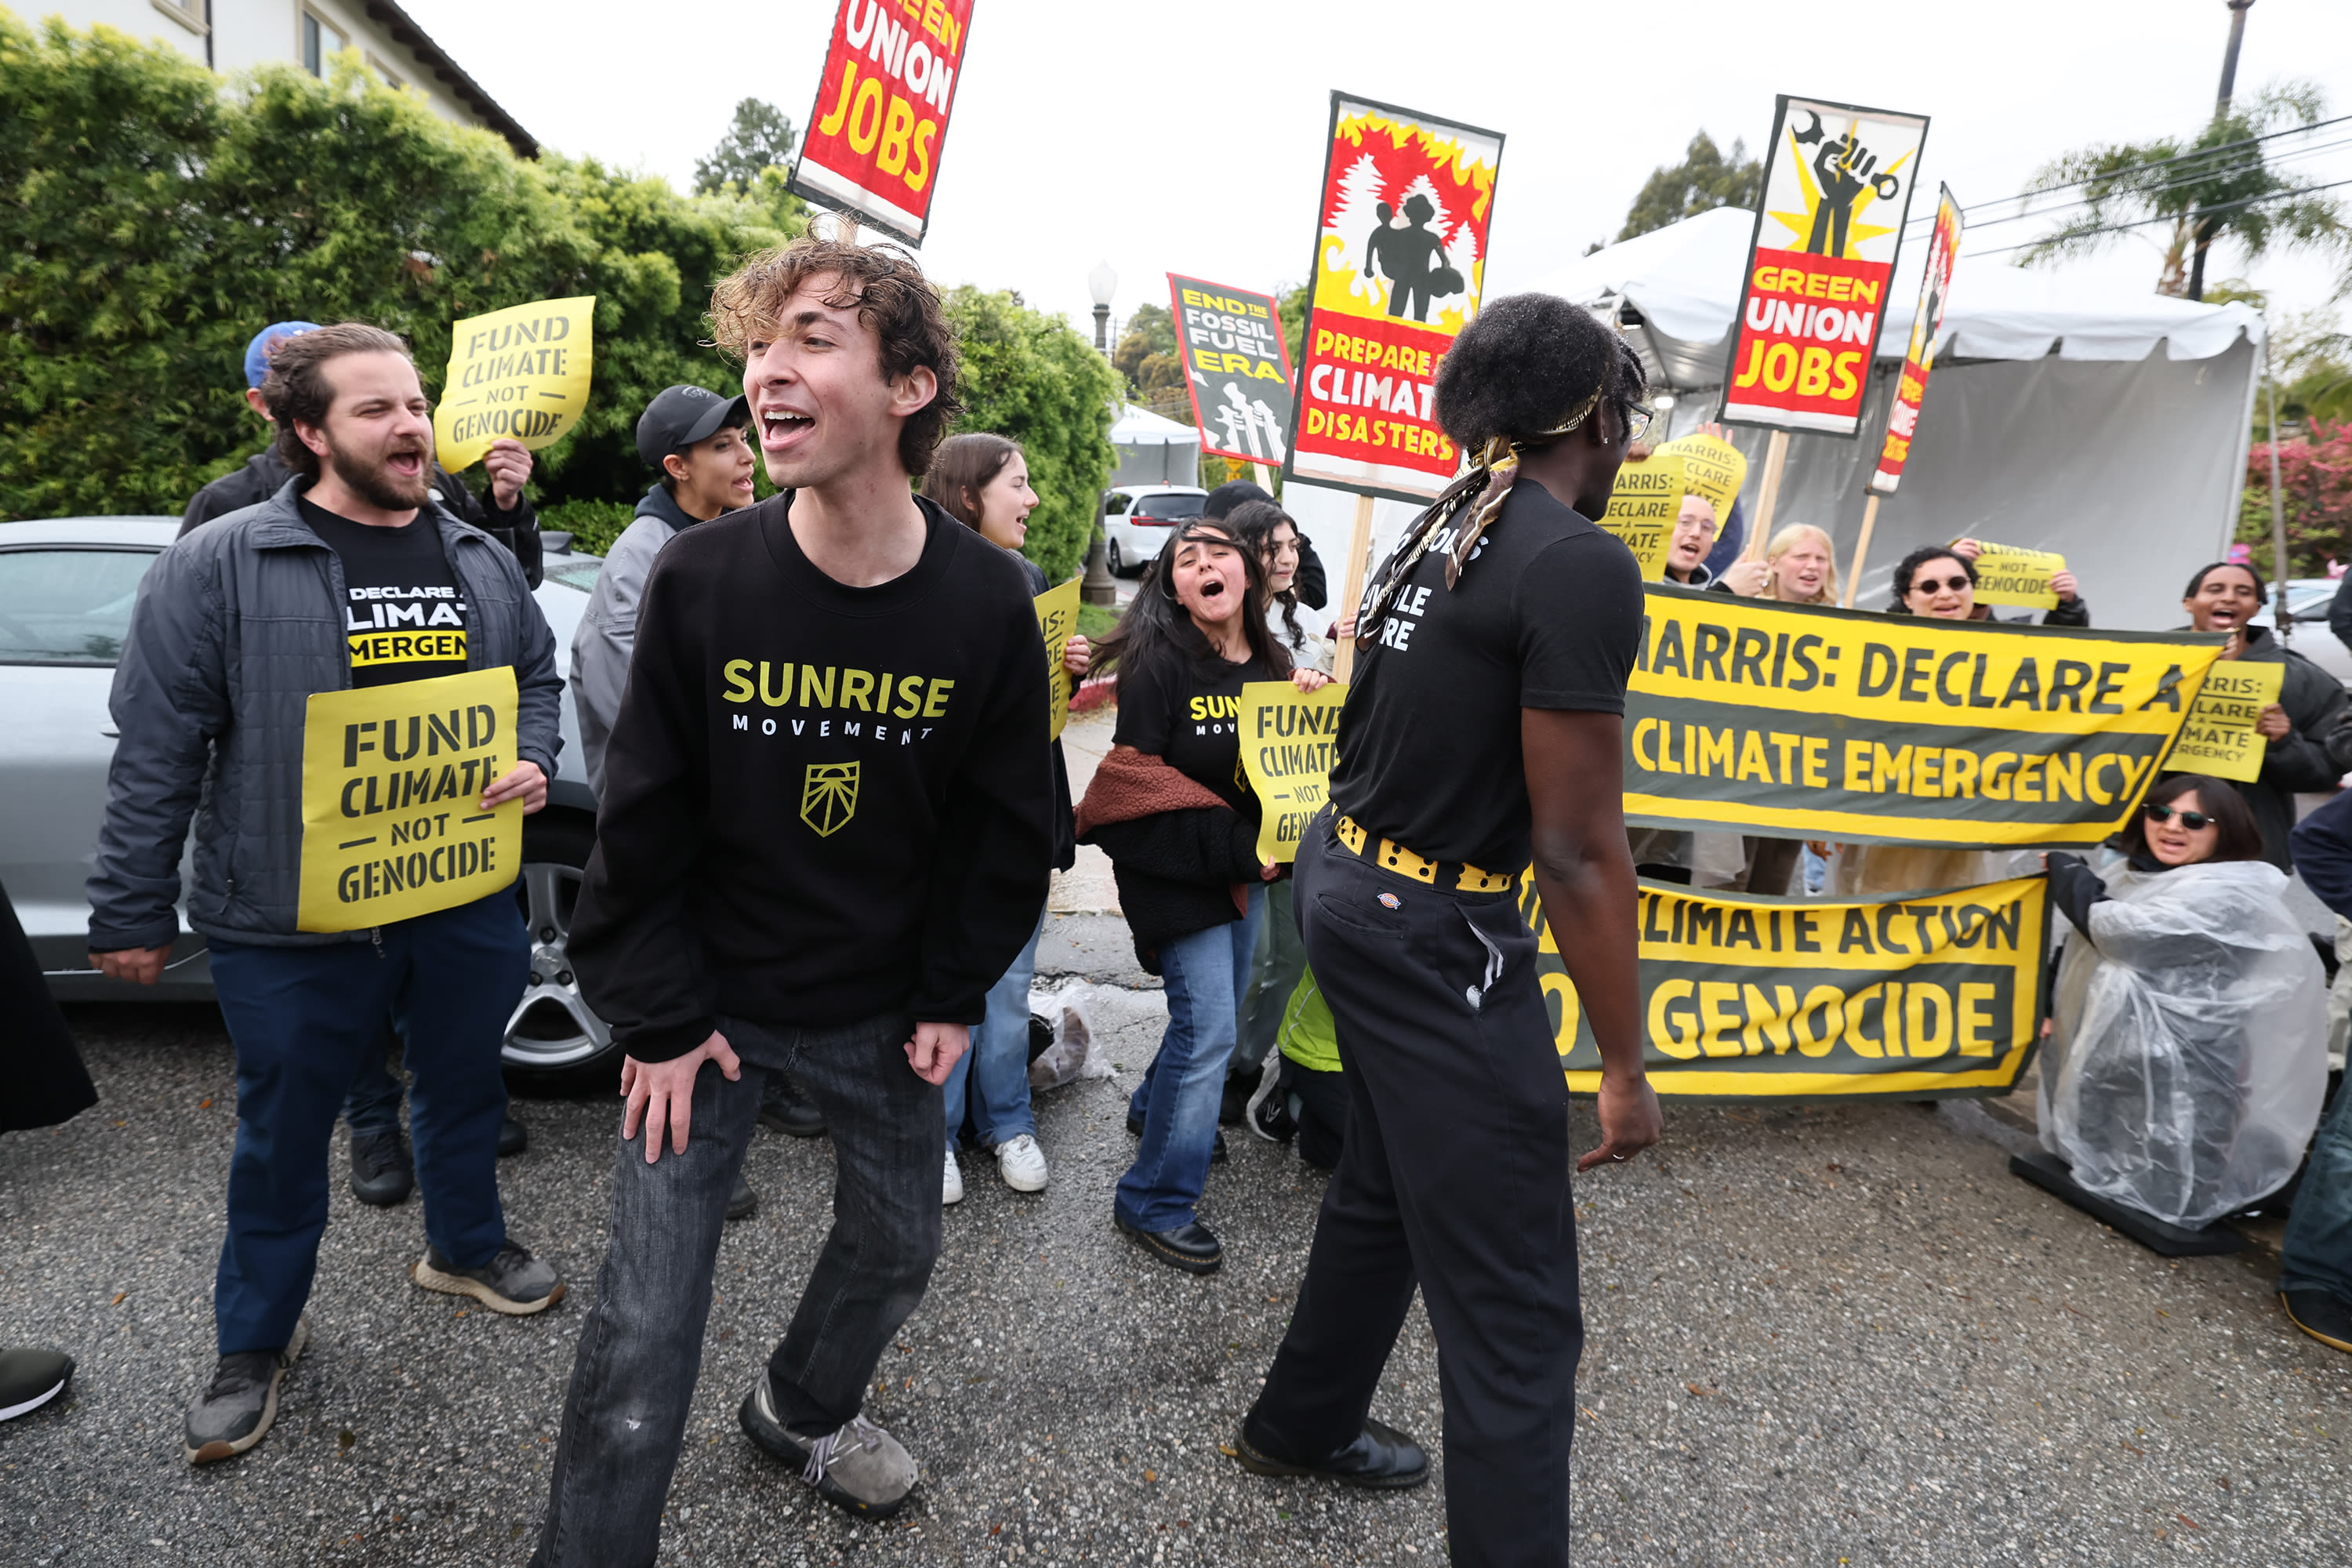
point(521, 375)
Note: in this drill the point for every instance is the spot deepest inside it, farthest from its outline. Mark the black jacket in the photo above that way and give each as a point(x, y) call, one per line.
point(1175, 871)
point(264, 474)
point(1311, 586)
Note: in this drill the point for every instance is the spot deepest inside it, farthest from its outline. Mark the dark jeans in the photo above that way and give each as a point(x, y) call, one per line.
point(373, 1104)
point(641, 1347)
point(1454, 1173)
point(303, 1018)
point(2317, 1254)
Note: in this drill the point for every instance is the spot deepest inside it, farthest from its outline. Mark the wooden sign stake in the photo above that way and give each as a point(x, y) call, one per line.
point(1768, 497)
point(1861, 549)
point(1352, 592)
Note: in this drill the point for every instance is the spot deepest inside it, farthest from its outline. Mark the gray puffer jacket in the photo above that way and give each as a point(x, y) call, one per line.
point(236, 626)
point(608, 634)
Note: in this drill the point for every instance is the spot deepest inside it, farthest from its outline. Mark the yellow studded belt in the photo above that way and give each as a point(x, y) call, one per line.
point(1456, 876)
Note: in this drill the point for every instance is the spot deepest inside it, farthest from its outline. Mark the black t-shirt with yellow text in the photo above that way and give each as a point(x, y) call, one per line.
point(1190, 717)
point(403, 614)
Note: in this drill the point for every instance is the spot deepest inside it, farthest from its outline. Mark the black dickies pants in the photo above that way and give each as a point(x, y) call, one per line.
point(1455, 1177)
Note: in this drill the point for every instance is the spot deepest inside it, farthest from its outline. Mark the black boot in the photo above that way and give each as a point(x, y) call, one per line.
point(783, 1107)
point(1381, 1457)
point(513, 1138)
point(383, 1174)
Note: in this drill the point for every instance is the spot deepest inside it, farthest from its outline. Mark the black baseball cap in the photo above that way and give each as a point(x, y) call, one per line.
point(681, 415)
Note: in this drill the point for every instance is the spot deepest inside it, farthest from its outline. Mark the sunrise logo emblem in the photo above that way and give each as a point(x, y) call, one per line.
point(829, 796)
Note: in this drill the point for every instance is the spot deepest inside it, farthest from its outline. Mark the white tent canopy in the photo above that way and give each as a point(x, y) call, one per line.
point(2051, 422)
point(1154, 451)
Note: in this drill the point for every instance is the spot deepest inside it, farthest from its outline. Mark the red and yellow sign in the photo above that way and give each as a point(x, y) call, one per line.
point(1819, 265)
point(1935, 288)
point(873, 140)
point(1399, 262)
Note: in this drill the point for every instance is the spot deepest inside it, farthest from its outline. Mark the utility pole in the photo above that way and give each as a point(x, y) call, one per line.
point(2201, 230)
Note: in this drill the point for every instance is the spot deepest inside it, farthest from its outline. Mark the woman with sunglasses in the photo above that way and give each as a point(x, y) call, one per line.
point(2188, 1050)
point(1171, 808)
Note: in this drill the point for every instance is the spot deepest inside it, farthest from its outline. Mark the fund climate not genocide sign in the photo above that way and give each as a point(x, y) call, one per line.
point(1923, 995)
point(1817, 722)
point(880, 123)
point(1837, 188)
point(1236, 369)
point(1399, 266)
point(520, 374)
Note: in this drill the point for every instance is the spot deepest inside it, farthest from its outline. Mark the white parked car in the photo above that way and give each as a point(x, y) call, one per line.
point(2308, 600)
point(1136, 521)
point(66, 590)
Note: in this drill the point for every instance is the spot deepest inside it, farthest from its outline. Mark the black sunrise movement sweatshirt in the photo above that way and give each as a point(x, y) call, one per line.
point(822, 803)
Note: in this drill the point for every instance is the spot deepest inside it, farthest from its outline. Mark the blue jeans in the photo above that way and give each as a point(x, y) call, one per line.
point(995, 1071)
point(2317, 1254)
point(303, 1020)
point(1206, 972)
point(372, 1103)
point(641, 1346)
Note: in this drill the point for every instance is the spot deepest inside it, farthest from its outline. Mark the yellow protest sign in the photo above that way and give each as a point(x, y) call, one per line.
point(392, 784)
point(1057, 617)
point(1712, 467)
point(1642, 510)
point(521, 373)
point(1287, 736)
point(2008, 576)
point(2219, 737)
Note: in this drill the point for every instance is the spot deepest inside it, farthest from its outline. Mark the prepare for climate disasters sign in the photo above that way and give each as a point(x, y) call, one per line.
point(1911, 387)
point(520, 374)
point(873, 140)
point(1235, 368)
point(1816, 723)
point(1399, 262)
point(1836, 192)
point(1057, 618)
point(1287, 736)
point(392, 785)
point(1923, 995)
point(1642, 509)
point(2219, 737)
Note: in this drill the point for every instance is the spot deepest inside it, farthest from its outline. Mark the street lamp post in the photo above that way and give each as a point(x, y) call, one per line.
point(1097, 587)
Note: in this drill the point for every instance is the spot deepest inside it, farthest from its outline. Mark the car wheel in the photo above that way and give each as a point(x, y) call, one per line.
point(554, 1041)
point(1113, 558)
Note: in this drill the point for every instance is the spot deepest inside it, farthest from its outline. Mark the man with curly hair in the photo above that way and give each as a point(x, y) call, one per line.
point(1482, 734)
point(823, 836)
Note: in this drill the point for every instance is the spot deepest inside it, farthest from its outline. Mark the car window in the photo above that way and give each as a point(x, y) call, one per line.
point(63, 606)
point(575, 572)
point(1170, 506)
point(1115, 504)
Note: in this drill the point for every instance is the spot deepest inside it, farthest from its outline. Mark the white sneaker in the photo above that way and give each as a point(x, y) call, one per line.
point(951, 1185)
point(1022, 1164)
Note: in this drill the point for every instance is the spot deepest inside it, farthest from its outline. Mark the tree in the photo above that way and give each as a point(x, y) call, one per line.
point(1704, 180)
point(2315, 481)
point(1031, 377)
point(2221, 185)
point(1146, 356)
point(760, 138)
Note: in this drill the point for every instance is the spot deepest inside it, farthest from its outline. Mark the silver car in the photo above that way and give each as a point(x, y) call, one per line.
point(2308, 600)
point(66, 590)
point(1136, 521)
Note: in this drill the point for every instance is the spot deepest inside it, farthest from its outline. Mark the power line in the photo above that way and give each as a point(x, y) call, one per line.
point(2284, 158)
point(2164, 217)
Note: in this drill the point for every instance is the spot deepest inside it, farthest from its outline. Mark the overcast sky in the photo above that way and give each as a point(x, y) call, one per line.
point(1190, 140)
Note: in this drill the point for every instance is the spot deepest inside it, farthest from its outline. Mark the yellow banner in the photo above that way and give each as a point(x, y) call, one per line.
point(2219, 737)
point(1749, 997)
point(1057, 617)
point(2008, 576)
point(1712, 467)
point(1642, 508)
point(392, 784)
point(1817, 722)
point(1287, 736)
point(519, 372)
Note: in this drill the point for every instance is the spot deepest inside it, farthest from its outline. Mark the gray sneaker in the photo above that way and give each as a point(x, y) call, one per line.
point(860, 1469)
point(237, 1408)
point(513, 1282)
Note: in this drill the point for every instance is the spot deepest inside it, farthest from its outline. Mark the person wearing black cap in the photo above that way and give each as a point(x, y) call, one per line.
point(701, 442)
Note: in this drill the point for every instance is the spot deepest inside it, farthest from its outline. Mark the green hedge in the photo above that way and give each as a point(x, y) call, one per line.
point(154, 215)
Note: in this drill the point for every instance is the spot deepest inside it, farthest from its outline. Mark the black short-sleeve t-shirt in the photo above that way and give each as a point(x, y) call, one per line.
point(404, 617)
point(1190, 718)
point(1547, 614)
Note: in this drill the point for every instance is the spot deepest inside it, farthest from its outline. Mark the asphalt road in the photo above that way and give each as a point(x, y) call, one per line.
point(1817, 1336)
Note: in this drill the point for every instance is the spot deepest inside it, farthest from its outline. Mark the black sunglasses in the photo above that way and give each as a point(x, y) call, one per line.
point(2195, 821)
point(1929, 585)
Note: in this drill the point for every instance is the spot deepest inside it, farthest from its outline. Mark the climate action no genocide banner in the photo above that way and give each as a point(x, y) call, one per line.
point(1829, 723)
point(1923, 996)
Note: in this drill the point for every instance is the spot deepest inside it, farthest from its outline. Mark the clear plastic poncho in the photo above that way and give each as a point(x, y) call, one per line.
point(2190, 1050)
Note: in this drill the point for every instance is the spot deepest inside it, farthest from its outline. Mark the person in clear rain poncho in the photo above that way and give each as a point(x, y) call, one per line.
point(2188, 1056)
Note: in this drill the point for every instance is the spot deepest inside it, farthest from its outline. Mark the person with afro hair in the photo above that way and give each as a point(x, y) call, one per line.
point(1482, 734)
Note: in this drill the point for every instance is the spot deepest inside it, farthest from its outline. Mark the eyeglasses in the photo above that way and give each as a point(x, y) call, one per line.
point(1929, 585)
point(1637, 419)
point(2195, 821)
